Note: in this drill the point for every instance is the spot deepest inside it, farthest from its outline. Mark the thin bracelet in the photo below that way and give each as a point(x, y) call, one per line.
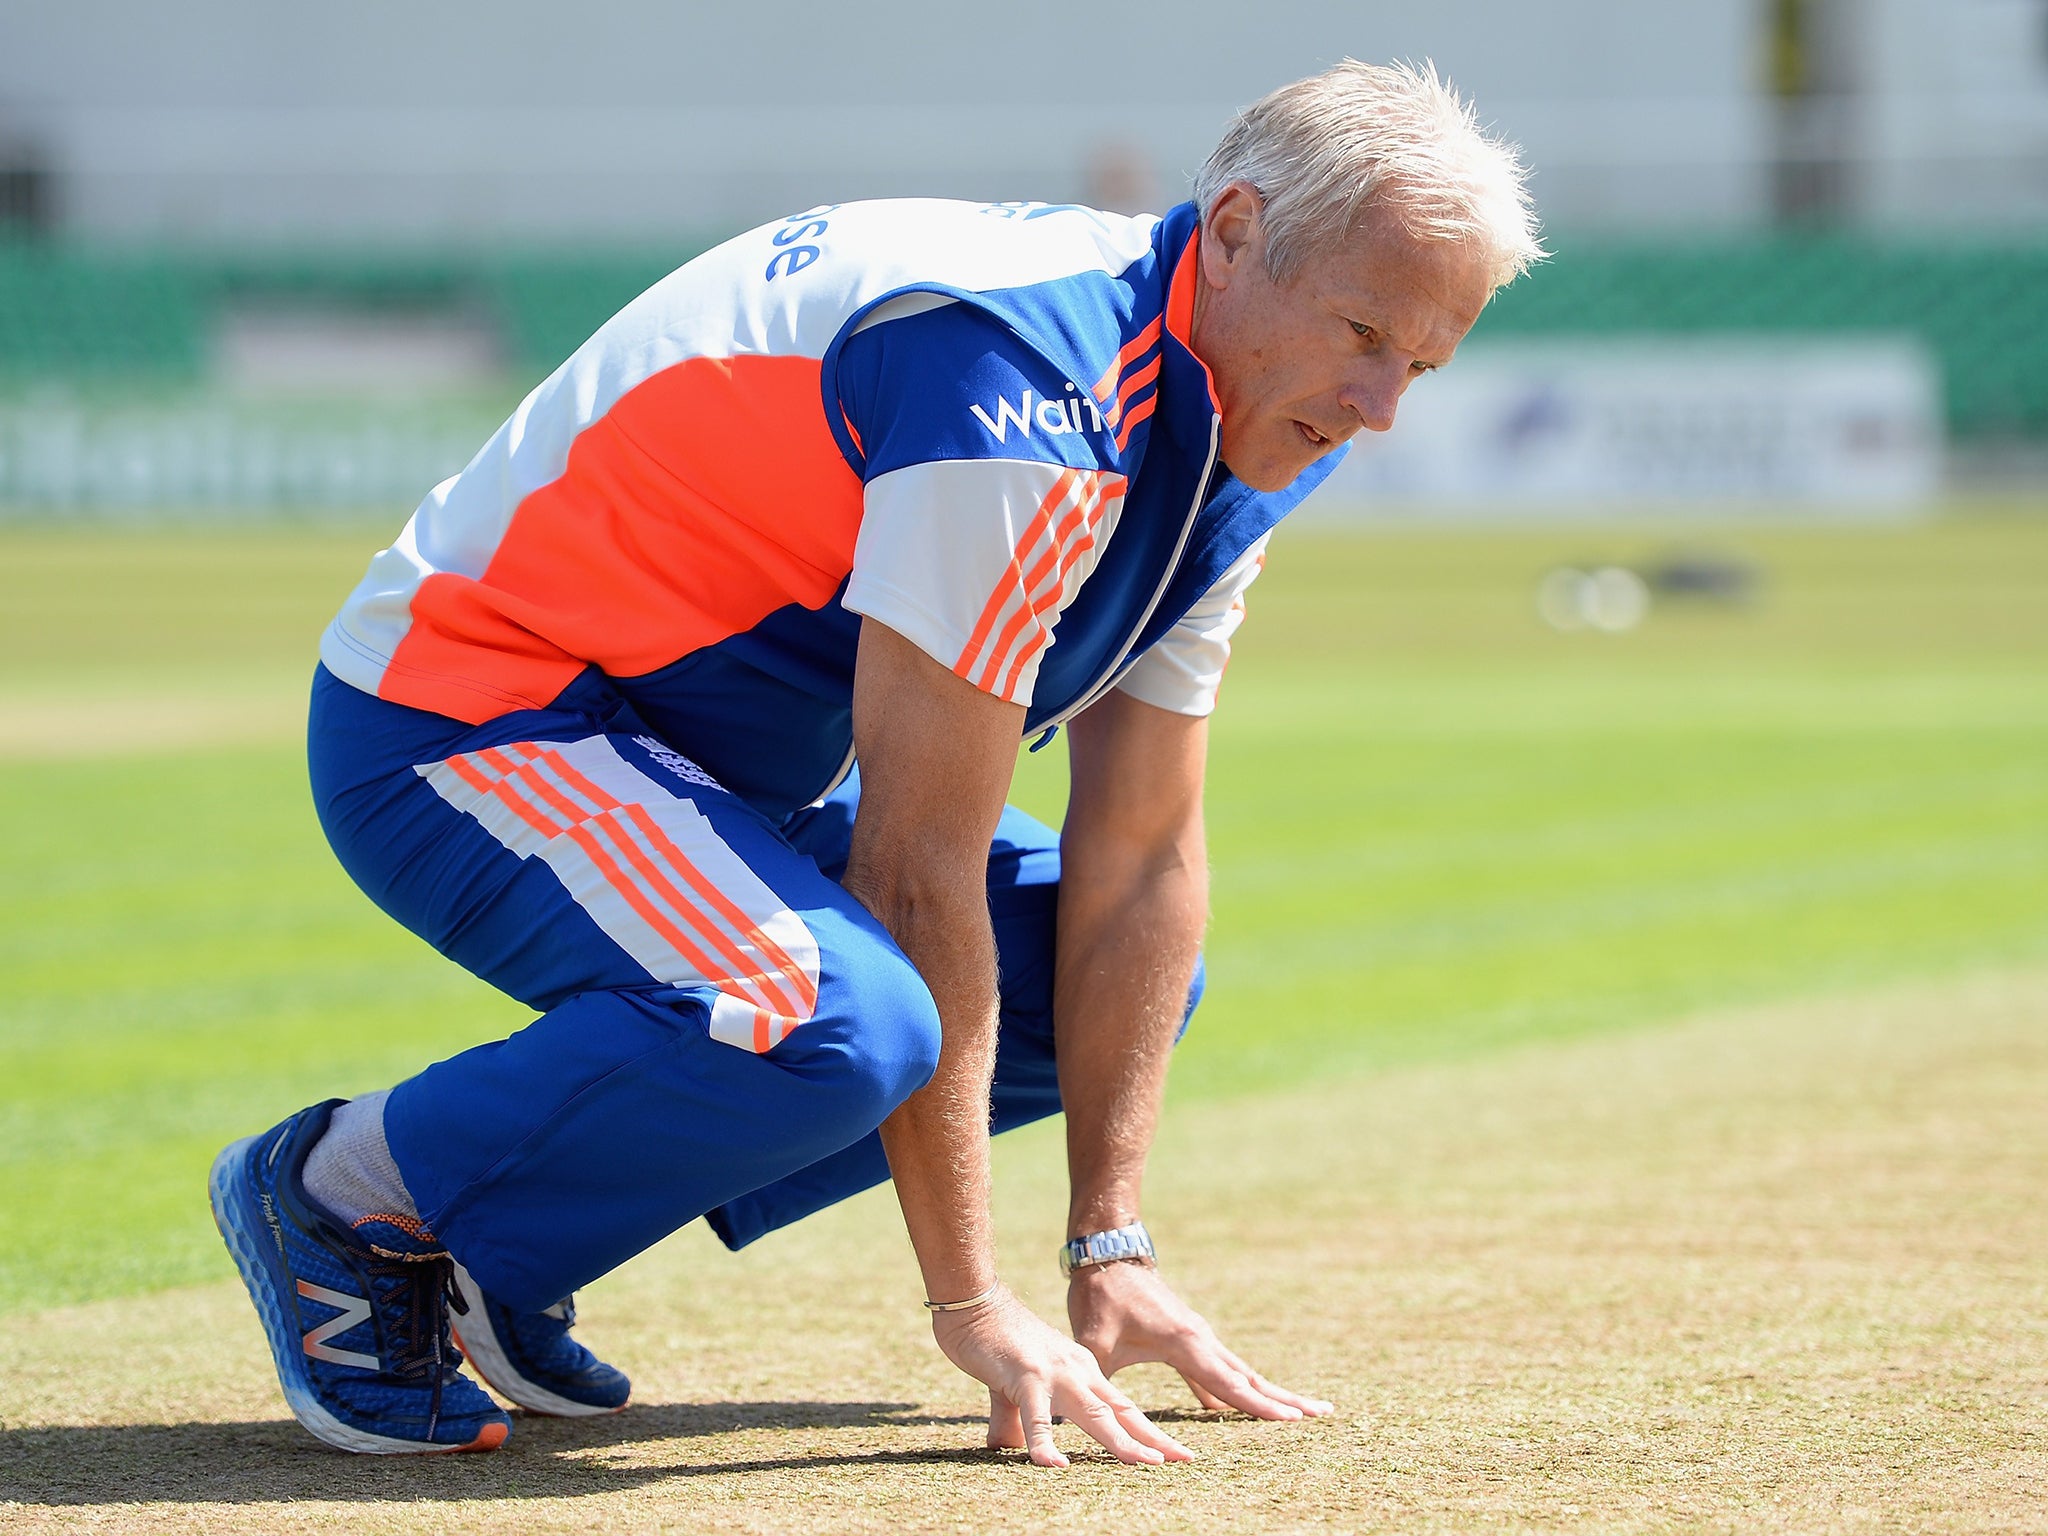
point(969, 1304)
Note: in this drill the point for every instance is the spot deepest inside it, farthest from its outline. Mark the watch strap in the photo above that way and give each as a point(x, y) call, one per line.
point(1111, 1247)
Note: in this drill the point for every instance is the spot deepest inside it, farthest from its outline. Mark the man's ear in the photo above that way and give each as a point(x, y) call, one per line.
point(1232, 233)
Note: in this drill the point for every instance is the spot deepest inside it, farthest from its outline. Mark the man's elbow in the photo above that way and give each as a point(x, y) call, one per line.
point(1174, 874)
point(907, 888)
point(1130, 857)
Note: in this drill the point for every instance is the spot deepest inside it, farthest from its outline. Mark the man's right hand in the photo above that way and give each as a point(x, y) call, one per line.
point(1033, 1372)
point(936, 755)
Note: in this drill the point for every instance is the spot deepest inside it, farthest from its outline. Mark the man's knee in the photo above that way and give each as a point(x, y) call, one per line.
point(897, 1026)
point(884, 1044)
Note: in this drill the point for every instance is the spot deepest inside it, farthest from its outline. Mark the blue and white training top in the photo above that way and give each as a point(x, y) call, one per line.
point(980, 424)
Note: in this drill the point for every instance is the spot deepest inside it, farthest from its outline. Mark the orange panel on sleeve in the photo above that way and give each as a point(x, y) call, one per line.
point(710, 495)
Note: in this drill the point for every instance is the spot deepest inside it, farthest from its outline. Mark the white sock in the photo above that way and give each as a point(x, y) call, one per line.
point(350, 1170)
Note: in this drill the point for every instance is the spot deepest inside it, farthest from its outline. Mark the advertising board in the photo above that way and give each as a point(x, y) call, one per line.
point(1849, 426)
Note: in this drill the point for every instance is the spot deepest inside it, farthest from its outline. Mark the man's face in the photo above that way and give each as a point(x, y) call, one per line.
point(1302, 365)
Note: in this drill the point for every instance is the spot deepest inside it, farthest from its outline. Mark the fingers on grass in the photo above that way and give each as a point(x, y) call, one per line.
point(1312, 1407)
point(1221, 1380)
point(1133, 1421)
point(1142, 1429)
point(1005, 1427)
point(1036, 1413)
point(1126, 1442)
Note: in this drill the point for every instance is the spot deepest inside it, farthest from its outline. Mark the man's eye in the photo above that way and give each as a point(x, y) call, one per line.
point(1360, 328)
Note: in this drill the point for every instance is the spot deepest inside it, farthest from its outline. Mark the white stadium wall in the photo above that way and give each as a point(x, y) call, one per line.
point(1948, 112)
point(386, 122)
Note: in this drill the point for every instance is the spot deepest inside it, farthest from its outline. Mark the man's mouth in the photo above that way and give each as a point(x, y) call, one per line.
point(1314, 438)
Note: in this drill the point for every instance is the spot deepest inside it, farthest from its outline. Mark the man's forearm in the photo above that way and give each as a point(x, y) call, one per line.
point(936, 757)
point(1128, 938)
point(937, 1139)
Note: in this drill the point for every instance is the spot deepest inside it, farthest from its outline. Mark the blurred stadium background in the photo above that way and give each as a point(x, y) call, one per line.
point(1684, 650)
point(254, 261)
point(267, 273)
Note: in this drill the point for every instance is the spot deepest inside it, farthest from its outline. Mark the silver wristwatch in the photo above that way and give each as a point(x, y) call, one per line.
point(1132, 1242)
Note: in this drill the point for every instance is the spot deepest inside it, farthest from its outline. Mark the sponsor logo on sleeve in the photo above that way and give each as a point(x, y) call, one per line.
point(1033, 413)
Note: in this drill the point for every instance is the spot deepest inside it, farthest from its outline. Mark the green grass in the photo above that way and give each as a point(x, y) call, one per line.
point(1436, 828)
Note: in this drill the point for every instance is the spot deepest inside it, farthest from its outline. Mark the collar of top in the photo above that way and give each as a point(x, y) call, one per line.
point(1178, 242)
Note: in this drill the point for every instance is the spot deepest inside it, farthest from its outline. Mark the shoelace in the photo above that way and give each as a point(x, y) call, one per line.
point(416, 1311)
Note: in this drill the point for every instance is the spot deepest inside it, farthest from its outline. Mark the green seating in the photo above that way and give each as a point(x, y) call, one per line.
point(547, 307)
point(1981, 307)
point(68, 316)
point(73, 314)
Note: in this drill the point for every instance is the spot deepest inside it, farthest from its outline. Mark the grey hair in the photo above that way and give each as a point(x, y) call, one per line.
point(1389, 137)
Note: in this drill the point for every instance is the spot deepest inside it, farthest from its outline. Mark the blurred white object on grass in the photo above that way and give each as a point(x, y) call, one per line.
point(1611, 598)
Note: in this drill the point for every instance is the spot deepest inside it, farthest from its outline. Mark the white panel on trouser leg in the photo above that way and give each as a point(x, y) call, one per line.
point(652, 873)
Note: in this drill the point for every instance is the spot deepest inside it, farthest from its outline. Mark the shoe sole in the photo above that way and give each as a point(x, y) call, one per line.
point(488, 1359)
point(262, 1268)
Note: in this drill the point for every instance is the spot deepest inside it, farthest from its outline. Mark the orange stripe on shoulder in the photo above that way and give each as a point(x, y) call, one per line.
point(1012, 584)
point(1180, 294)
point(1105, 385)
point(1062, 556)
point(1035, 600)
point(1180, 309)
point(1139, 412)
point(1137, 381)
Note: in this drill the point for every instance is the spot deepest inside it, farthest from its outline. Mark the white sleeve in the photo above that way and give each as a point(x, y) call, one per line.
point(972, 560)
point(1183, 671)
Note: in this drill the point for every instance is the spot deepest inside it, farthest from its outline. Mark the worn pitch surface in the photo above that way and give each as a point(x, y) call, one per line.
point(1783, 1269)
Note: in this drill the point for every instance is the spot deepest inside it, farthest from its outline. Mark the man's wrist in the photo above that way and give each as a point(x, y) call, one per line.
point(1127, 1244)
point(968, 1303)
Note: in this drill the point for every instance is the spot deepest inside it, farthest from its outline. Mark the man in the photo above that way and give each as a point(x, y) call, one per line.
point(686, 714)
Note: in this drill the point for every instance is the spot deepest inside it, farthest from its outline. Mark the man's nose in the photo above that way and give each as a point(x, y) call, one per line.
point(1373, 393)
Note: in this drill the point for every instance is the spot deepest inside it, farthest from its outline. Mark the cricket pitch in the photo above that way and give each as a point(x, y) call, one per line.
point(1778, 1270)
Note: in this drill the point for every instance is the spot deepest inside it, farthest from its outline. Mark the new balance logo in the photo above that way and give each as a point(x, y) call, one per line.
point(354, 1309)
point(1055, 418)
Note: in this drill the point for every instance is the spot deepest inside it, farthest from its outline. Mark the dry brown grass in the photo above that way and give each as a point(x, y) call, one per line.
point(1779, 1271)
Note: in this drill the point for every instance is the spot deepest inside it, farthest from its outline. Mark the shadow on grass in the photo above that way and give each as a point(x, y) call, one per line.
point(275, 1461)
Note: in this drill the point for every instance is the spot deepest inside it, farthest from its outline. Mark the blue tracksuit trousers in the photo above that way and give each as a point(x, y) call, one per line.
point(721, 1027)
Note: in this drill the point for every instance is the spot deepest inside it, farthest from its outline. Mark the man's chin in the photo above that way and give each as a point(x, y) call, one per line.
point(1265, 474)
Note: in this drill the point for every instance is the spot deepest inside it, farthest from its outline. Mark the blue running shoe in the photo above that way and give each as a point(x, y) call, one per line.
point(357, 1318)
point(529, 1357)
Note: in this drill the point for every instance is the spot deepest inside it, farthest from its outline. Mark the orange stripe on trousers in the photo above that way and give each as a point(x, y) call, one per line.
point(680, 904)
point(505, 795)
point(737, 972)
point(681, 863)
point(637, 899)
point(735, 969)
point(755, 935)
